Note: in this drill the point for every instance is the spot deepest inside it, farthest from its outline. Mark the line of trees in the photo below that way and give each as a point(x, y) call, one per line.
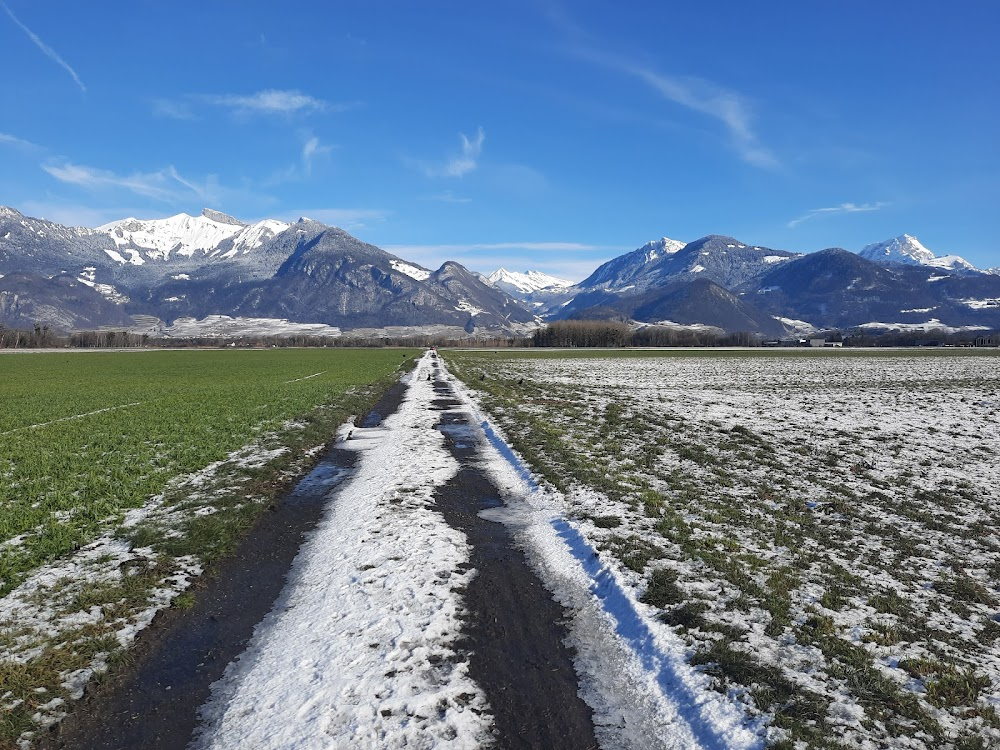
point(614, 334)
point(563, 334)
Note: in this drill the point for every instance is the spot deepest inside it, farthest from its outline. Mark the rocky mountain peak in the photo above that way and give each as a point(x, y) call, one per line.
point(221, 218)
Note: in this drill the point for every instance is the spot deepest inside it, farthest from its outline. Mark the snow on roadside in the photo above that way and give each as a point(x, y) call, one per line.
point(357, 651)
point(634, 671)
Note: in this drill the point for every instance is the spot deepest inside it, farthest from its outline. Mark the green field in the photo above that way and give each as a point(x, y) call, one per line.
point(200, 440)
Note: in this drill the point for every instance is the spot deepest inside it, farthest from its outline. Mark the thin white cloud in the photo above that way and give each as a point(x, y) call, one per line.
point(46, 49)
point(13, 140)
point(271, 102)
point(345, 218)
point(461, 163)
point(448, 196)
point(165, 184)
point(843, 208)
point(173, 110)
point(705, 97)
point(311, 150)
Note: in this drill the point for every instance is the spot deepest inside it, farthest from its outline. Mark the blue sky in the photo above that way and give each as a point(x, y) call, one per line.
point(549, 135)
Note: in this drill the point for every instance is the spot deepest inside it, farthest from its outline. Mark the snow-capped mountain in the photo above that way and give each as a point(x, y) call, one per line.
point(213, 234)
point(621, 271)
point(907, 249)
point(514, 282)
point(537, 291)
point(197, 267)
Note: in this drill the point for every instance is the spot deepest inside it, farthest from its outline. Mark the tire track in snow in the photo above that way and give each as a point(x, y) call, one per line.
point(634, 673)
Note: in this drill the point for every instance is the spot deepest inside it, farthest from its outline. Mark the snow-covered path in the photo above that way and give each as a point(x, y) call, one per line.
point(358, 650)
point(365, 647)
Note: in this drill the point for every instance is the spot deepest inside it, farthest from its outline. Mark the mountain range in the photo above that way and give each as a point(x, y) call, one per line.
point(199, 275)
point(194, 268)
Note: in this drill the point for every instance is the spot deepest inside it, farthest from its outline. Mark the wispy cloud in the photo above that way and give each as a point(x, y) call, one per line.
point(697, 94)
point(843, 208)
point(705, 97)
point(13, 140)
point(311, 150)
point(166, 185)
point(447, 196)
point(460, 164)
point(173, 110)
point(272, 102)
point(345, 218)
point(46, 49)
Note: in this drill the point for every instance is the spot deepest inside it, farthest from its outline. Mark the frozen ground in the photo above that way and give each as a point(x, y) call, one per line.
point(359, 651)
point(821, 531)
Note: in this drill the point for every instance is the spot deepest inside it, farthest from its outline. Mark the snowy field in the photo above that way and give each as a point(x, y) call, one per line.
point(820, 531)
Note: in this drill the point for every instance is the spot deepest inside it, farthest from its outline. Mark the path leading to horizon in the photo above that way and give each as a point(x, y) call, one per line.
point(441, 600)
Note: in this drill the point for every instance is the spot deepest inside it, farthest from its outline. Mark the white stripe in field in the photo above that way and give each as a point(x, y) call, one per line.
point(68, 419)
point(633, 669)
point(358, 650)
point(307, 377)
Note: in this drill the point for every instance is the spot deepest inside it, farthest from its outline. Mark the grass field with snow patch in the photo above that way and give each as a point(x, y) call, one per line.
point(823, 529)
point(122, 474)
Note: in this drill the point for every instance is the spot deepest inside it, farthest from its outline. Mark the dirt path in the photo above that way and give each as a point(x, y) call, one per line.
point(510, 641)
point(154, 703)
point(514, 630)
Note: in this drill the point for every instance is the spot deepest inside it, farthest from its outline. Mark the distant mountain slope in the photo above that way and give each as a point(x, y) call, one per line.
point(186, 266)
point(722, 260)
point(837, 288)
point(906, 249)
point(328, 276)
point(213, 235)
point(701, 301)
point(515, 283)
point(535, 290)
point(61, 302)
point(621, 272)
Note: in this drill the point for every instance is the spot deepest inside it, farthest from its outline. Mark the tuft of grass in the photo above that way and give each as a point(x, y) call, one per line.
point(662, 590)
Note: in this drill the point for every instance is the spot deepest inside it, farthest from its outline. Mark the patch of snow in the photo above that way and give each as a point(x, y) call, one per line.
point(982, 304)
point(799, 326)
point(414, 272)
point(774, 258)
point(651, 698)
point(466, 306)
point(697, 269)
point(185, 236)
point(223, 326)
point(933, 323)
point(525, 283)
point(906, 249)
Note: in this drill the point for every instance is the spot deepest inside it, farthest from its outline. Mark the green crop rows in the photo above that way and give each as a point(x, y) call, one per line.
point(64, 477)
point(200, 441)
